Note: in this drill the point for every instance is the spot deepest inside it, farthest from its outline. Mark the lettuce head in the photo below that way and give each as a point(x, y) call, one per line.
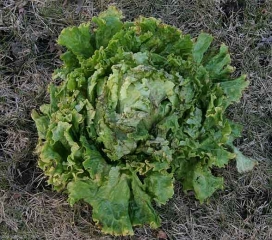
point(139, 105)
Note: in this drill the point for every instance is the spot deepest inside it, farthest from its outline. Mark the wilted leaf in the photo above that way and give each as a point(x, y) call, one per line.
point(243, 163)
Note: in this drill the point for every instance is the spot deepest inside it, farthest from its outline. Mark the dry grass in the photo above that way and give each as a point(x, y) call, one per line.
point(28, 56)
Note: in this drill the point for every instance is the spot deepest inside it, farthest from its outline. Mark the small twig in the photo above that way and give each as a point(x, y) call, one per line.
point(79, 6)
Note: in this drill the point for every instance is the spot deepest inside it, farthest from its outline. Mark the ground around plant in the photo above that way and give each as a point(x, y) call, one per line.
point(30, 209)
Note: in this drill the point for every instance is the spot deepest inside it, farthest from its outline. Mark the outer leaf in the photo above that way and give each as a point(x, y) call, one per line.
point(195, 175)
point(70, 60)
point(233, 89)
point(42, 123)
point(94, 163)
point(243, 163)
point(202, 44)
point(110, 202)
point(77, 40)
point(218, 67)
point(53, 98)
point(204, 183)
point(218, 155)
point(160, 185)
point(109, 23)
point(140, 206)
point(111, 205)
point(81, 189)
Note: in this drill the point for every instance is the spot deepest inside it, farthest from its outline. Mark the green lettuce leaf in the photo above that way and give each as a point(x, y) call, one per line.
point(202, 44)
point(108, 24)
point(243, 163)
point(233, 89)
point(78, 41)
point(160, 185)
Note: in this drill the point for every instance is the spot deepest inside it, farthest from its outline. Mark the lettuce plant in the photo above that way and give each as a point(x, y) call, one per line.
point(140, 105)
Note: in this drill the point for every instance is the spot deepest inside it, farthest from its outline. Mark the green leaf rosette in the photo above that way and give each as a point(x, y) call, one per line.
point(140, 105)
